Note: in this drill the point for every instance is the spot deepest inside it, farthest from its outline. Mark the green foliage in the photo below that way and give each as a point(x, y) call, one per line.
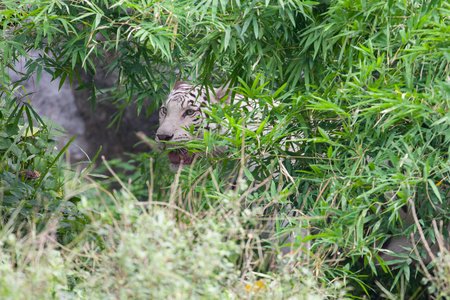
point(148, 41)
point(33, 268)
point(352, 126)
point(158, 258)
point(439, 282)
point(33, 177)
point(155, 250)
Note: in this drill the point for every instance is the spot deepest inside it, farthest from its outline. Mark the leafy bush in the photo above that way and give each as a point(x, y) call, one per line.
point(32, 268)
point(33, 174)
point(363, 89)
point(439, 283)
point(155, 250)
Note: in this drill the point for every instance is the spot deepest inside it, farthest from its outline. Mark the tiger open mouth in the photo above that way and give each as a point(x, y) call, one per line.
point(180, 156)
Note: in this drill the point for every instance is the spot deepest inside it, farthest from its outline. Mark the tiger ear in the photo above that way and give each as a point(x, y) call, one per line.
point(223, 92)
point(179, 84)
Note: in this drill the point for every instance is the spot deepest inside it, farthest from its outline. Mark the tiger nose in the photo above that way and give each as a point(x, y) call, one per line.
point(164, 137)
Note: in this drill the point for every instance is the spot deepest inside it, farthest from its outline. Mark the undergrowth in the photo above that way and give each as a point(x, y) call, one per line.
point(154, 250)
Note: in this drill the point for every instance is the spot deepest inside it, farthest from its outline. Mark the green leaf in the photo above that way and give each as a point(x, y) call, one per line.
point(435, 189)
point(330, 152)
point(323, 133)
point(248, 174)
point(261, 126)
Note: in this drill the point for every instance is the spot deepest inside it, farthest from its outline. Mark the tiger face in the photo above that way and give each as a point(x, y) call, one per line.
point(181, 118)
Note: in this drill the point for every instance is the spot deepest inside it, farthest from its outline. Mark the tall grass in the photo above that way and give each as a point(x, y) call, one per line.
point(153, 250)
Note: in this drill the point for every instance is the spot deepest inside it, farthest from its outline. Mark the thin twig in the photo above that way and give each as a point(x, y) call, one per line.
point(419, 228)
point(438, 236)
point(422, 264)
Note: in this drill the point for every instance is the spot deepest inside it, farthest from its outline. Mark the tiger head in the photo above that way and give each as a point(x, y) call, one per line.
point(182, 112)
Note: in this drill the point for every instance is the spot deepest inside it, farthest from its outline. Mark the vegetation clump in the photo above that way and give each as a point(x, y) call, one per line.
point(363, 90)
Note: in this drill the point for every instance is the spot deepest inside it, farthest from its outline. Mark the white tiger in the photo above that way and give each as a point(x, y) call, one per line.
point(182, 110)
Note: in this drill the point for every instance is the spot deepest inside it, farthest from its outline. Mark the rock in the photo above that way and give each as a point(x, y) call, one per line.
point(72, 110)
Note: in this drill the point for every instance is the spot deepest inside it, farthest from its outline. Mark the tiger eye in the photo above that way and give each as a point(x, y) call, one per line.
point(190, 112)
point(164, 110)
